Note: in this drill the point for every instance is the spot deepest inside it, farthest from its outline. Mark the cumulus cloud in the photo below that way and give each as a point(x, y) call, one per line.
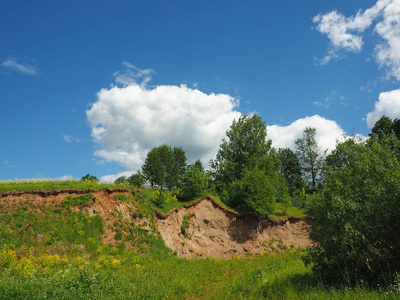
point(129, 121)
point(344, 33)
point(328, 133)
point(19, 67)
point(388, 52)
point(388, 105)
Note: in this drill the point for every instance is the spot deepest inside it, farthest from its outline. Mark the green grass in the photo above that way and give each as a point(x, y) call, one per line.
point(282, 211)
point(69, 261)
point(156, 276)
point(51, 184)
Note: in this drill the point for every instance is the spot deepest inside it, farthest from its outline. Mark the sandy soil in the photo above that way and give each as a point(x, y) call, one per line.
point(218, 232)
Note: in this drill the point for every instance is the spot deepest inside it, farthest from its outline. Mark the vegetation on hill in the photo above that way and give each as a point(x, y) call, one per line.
point(52, 249)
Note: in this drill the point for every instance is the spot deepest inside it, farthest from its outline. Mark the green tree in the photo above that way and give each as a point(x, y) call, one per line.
point(180, 159)
point(382, 127)
point(163, 166)
point(194, 183)
point(121, 179)
point(198, 164)
point(170, 166)
point(137, 179)
point(256, 189)
point(290, 167)
point(89, 177)
point(153, 168)
point(245, 151)
point(246, 140)
point(357, 226)
point(310, 155)
point(385, 126)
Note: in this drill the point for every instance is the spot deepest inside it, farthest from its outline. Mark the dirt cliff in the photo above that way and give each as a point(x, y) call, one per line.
point(205, 229)
point(201, 229)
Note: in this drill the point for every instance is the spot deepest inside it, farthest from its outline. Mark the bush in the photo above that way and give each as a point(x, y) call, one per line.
point(194, 183)
point(357, 226)
point(254, 193)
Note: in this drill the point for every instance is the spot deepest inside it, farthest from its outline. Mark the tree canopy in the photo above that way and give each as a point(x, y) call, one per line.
point(291, 168)
point(246, 140)
point(164, 166)
point(245, 171)
point(310, 155)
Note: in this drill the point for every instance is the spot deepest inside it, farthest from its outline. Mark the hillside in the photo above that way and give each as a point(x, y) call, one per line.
point(201, 229)
point(97, 242)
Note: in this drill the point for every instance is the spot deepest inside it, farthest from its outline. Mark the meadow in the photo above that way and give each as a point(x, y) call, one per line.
point(59, 254)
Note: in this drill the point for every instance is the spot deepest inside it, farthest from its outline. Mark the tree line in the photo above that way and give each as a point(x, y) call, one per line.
point(353, 192)
point(247, 173)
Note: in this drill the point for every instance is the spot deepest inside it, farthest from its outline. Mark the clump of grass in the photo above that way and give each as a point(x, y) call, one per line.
point(121, 197)
point(80, 200)
point(185, 225)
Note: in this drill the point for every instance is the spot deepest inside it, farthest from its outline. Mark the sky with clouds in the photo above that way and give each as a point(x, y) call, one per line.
point(91, 87)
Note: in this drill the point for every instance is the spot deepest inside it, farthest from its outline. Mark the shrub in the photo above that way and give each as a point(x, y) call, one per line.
point(254, 193)
point(194, 183)
point(357, 226)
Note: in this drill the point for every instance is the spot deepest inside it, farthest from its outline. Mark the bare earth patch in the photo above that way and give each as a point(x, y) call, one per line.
point(214, 231)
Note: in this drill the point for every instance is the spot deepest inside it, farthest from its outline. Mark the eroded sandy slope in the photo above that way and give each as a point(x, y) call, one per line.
point(217, 232)
point(212, 231)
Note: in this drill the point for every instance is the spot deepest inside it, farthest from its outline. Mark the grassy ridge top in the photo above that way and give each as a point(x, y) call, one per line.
point(51, 184)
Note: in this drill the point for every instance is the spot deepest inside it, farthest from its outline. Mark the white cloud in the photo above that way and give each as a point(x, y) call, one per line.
point(333, 96)
point(132, 75)
point(328, 133)
point(344, 33)
point(129, 121)
point(112, 178)
point(70, 139)
point(388, 52)
point(67, 138)
point(66, 178)
point(19, 67)
point(388, 105)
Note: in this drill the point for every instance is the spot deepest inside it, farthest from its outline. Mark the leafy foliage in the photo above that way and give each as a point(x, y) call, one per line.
point(245, 170)
point(385, 126)
point(164, 166)
point(253, 193)
point(194, 183)
point(290, 167)
point(89, 177)
point(246, 141)
point(121, 180)
point(357, 226)
point(310, 155)
point(137, 179)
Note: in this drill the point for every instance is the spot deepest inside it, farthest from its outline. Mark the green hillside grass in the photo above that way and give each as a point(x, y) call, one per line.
point(58, 254)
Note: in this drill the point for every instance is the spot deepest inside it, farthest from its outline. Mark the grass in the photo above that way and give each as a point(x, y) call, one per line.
point(51, 184)
point(281, 211)
point(155, 276)
point(58, 254)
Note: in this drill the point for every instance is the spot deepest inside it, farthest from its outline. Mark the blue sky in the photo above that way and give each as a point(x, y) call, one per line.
point(91, 86)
